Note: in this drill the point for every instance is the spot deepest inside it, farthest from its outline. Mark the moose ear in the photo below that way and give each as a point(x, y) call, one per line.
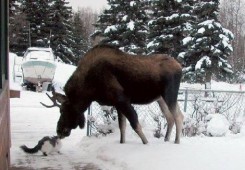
point(60, 97)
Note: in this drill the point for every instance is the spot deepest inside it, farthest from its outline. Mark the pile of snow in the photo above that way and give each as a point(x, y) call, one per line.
point(214, 86)
point(217, 125)
point(13, 71)
point(242, 130)
point(62, 74)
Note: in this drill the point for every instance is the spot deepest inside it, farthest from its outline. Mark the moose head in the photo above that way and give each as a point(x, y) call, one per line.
point(70, 117)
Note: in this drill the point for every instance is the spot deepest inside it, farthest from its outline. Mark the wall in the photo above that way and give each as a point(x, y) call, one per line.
point(4, 129)
point(4, 89)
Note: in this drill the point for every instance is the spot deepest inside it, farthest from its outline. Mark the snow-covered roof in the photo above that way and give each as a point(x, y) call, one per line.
point(39, 53)
point(38, 49)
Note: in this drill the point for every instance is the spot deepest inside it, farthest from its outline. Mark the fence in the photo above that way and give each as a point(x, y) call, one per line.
point(195, 104)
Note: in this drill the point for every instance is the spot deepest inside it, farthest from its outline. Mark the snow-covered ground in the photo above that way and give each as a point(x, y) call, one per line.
point(30, 121)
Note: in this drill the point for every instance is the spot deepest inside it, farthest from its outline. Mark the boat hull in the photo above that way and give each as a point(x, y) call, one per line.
point(38, 71)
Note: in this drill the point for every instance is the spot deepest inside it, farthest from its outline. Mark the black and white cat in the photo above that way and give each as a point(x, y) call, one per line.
point(46, 145)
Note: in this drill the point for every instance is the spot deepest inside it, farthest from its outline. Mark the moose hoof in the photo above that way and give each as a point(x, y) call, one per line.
point(122, 142)
point(177, 141)
point(144, 142)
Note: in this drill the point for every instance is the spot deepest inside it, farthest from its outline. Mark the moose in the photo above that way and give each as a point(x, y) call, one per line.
point(112, 77)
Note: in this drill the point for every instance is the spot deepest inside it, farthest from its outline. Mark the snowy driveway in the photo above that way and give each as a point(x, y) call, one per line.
point(30, 121)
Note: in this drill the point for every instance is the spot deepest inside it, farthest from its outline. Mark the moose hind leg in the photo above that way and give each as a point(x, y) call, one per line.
point(122, 126)
point(170, 122)
point(128, 110)
point(169, 117)
point(178, 118)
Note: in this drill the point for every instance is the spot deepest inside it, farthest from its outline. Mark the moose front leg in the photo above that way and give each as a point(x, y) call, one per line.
point(122, 126)
point(128, 110)
point(139, 131)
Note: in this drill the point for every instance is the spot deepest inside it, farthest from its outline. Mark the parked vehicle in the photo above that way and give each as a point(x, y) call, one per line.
point(38, 67)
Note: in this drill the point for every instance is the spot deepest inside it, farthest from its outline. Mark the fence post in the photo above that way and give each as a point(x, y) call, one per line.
point(186, 99)
point(88, 123)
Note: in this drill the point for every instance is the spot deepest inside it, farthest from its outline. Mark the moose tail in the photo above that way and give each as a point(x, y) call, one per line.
point(30, 150)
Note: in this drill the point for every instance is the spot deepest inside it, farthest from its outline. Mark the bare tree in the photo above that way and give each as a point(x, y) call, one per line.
point(89, 17)
point(232, 16)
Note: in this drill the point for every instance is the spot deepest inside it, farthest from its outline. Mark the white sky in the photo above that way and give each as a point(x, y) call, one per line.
point(94, 4)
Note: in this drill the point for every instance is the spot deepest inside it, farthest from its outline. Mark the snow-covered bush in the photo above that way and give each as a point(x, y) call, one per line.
point(103, 124)
point(235, 127)
point(217, 125)
point(201, 106)
point(191, 127)
point(242, 129)
point(205, 104)
point(158, 131)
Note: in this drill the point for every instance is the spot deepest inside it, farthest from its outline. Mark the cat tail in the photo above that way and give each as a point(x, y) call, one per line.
point(30, 150)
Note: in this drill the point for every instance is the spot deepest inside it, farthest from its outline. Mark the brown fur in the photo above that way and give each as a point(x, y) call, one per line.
point(111, 77)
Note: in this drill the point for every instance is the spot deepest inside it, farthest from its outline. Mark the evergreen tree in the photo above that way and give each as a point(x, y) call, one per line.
point(18, 28)
point(134, 24)
point(208, 46)
point(124, 25)
point(49, 25)
point(171, 21)
point(61, 31)
point(38, 15)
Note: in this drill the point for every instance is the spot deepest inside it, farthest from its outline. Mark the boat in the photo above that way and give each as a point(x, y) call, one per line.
point(38, 67)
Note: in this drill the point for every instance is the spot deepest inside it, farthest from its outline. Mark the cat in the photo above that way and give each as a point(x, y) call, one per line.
point(46, 145)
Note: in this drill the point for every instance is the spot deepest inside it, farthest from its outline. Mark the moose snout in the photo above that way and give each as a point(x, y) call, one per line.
point(62, 133)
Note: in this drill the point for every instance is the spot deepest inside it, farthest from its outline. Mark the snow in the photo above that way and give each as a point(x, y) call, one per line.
point(207, 23)
point(13, 58)
point(228, 33)
point(181, 55)
point(110, 28)
point(166, 36)
point(186, 40)
point(173, 16)
point(125, 18)
point(63, 72)
point(201, 30)
point(30, 121)
point(132, 3)
point(152, 44)
point(151, 22)
point(199, 64)
point(221, 36)
point(218, 125)
point(131, 25)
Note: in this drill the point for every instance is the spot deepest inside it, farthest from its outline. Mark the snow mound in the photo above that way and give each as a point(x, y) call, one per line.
point(217, 125)
point(243, 130)
point(62, 74)
point(13, 71)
